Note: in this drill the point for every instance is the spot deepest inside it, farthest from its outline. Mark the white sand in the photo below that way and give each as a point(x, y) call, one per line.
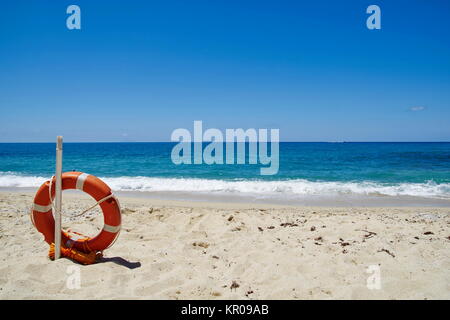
point(189, 250)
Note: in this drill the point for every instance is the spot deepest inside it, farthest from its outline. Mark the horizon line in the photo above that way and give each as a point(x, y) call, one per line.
point(355, 141)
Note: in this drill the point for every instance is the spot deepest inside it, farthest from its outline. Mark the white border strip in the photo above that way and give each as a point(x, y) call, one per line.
point(80, 181)
point(112, 229)
point(43, 209)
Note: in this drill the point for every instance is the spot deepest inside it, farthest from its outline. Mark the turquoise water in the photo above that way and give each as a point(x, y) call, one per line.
point(416, 169)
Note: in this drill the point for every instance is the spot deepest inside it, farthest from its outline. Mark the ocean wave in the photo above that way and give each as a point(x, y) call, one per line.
point(280, 188)
point(13, 180)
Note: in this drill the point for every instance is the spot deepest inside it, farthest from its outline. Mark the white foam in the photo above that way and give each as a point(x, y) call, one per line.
point(11, 180)
point(279, 189)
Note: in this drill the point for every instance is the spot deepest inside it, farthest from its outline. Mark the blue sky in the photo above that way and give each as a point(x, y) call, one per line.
point(139, 69)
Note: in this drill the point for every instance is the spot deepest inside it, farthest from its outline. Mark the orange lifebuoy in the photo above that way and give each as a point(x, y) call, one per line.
point(96, 188)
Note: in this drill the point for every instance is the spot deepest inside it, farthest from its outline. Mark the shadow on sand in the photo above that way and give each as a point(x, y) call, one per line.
point(121, 262)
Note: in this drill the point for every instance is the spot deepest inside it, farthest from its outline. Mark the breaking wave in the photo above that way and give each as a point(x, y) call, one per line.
point(279, 188)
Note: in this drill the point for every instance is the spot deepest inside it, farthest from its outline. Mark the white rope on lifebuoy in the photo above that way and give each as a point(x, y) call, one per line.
point(85, 211)
point(98, 202)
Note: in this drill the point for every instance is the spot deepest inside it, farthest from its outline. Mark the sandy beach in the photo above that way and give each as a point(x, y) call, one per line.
point(200, 250)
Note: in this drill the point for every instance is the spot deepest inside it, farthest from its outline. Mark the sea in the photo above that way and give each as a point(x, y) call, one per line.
point(309, 173)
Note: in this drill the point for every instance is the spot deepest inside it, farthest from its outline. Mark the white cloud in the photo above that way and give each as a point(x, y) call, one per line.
point(417, 108)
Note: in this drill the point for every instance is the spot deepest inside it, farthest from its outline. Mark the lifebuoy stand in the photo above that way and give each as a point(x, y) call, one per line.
point(46, 214)
point(58, 196)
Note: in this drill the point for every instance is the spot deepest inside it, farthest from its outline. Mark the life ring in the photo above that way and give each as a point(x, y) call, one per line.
point(44, 222)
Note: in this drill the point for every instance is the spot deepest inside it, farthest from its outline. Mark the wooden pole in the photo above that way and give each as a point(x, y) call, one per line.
point(58, 196)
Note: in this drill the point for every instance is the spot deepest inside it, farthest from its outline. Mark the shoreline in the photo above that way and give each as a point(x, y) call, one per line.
point(302, 201)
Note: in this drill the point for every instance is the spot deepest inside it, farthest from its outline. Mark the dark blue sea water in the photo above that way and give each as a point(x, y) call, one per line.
point(416, 169)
